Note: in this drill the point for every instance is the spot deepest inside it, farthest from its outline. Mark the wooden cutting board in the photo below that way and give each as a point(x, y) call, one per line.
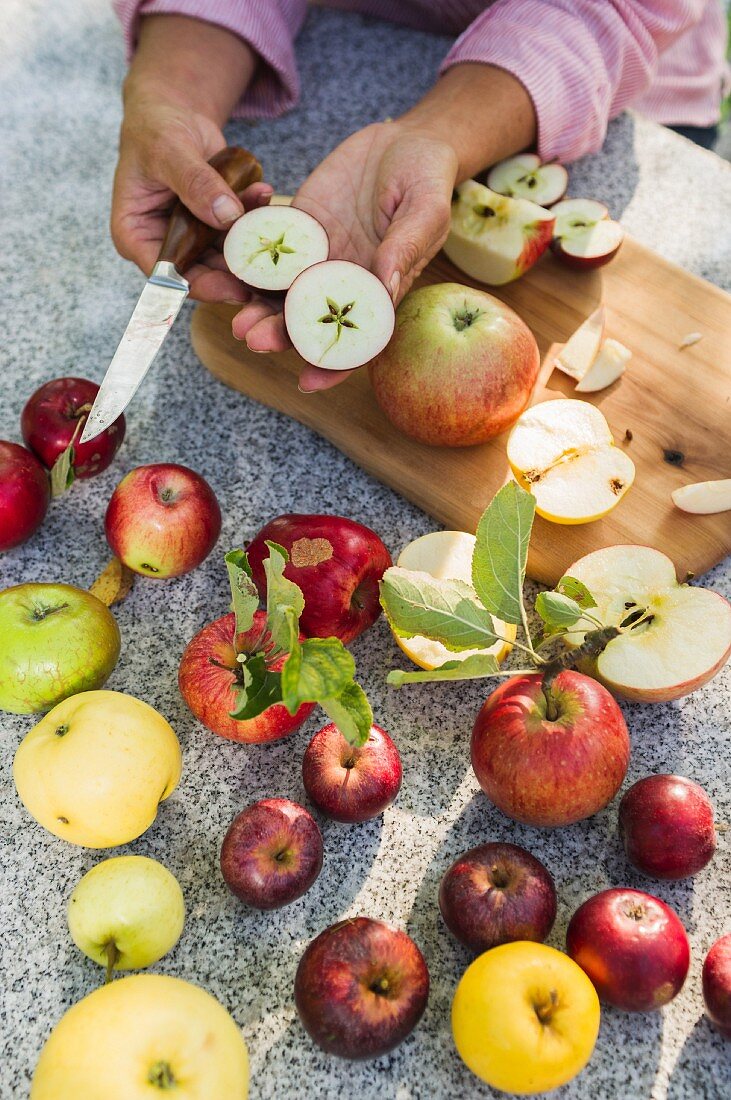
point(671, 410)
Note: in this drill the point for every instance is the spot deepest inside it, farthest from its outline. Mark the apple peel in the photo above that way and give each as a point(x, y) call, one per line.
point(113, 583)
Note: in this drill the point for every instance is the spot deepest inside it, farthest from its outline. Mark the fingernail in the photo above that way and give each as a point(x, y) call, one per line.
point(226, 209)
point(303, 391)
point(394, 284)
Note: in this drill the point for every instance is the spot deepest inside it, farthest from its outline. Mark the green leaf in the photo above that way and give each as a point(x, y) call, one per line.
point(261, 689)
point(62, 472)
point(576, 590)
point(244, 596)
point(351, 712)
point(501, 552)
point(447, 611)
point(316, 669)
point(285, 601)
point(471, 668)
point(557, 611)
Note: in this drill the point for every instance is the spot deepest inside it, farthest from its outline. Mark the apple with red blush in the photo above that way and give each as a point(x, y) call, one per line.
point(717, 984)
point(349, 783)
point(53, 418)
point(24, 494)
point(666, 826)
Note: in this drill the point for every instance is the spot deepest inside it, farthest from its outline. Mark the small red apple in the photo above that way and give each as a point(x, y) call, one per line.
point(347, 783)
point(497, 893)
point(361, 987)
point(666, 826)
point(162, 520)
point(717, 984)
point(550, 766)
point(632, 946)
point(24, 494)
point(51, 417)
point(272, 853)
point(208, 675)
point(336, 562)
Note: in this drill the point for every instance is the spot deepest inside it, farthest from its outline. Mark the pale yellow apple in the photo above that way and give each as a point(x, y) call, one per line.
point(140, 1037)
point(127, 912)
point(95, 769)
point(525, 1018)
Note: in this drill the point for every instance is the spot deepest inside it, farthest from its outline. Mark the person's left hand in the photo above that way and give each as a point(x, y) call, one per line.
point(384, 197)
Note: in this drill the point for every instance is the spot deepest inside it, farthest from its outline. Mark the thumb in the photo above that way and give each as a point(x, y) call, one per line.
point(200, 187)
point(416, 232)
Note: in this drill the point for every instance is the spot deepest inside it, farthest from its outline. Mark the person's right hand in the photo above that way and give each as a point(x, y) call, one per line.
point(163, 154)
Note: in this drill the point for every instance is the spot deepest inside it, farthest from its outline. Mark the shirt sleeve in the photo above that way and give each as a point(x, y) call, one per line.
point(581, 61)
point(268, 26)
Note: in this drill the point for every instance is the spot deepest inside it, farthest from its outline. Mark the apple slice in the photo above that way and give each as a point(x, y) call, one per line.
point(494, 238)
point(563, 453)
point(445, 555)
point(584, 235)
point(582, 347)
point(609, 365)
point(524, 177)
point(704, 498)
point(270, 246)
point(338, 315)
point(675, 636)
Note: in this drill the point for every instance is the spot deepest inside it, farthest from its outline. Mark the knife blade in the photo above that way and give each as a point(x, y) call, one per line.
point(163, 295)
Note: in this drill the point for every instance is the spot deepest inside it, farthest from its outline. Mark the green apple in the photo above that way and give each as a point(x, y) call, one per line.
point(58, 640)
point(126, 913)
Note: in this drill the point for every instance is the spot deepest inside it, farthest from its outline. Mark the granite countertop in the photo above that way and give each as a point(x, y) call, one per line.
point(66, 298)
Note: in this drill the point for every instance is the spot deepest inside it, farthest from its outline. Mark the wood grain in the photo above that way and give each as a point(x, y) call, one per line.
point(676, 404)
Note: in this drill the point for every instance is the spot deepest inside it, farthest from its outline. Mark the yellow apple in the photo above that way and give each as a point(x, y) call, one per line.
point(142, 1036)
point(127, 912)
point(95, 769)
point(525, 1018)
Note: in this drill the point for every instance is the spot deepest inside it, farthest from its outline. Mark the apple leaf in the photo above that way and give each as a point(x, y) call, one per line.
point(284, 599)
point(473, 667)
point(557, 611)
point(318, 668)
point(244, 596)
point(260, 690)
point(62, 472)
point(501, 552)
point(447, 611)
point(576, 590)
point(351, 712)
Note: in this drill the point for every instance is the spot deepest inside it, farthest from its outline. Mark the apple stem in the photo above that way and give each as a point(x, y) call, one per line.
point(593, 644)
point(112, 956)
point(545, 1011)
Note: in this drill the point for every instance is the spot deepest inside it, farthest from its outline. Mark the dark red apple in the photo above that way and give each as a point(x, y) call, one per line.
point(717, 984)
point(361, 987)
point(666, 826)
point(497, 893)
point(272, 853)
point(632, 946)
point(351, 784)
point(336, 562)
point(55, 412)
point(208, 675)
point(24, 494)
point(162, 520)
point(550, 764)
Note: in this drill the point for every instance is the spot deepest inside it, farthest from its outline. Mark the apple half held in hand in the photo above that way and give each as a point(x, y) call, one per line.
point(563, 453)
point(584, 235)
point(338, 315)
point(493, 238)
point(525, 177)
point(268, 247)
point(676, 637)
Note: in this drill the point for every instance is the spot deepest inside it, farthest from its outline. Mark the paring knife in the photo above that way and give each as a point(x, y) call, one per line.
point(165, 291)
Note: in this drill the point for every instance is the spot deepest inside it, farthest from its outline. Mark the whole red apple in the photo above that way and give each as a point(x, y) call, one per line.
point(51, 417)
point(497, 893)
point(336, 562)
point(717, 984)
point(272, 853)
point(208, 675)
point(666, 826)
point(24, 494)
point(347, 783)
point(459, 368)
point(632, 946)
point(162, 520)
point(550, 764)
point(361, 987)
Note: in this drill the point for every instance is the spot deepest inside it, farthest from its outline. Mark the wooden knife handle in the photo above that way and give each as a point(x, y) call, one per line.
point(187, 237)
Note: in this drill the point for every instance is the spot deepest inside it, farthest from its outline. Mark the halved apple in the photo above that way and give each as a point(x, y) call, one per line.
point(493, 238)
point(269, 246)
point(582, 347)
point(563, 453)
point(674, 638)
point(584, 235)
point(704, 498)
point(609, 365)
point(525, 177)
point(445, 555)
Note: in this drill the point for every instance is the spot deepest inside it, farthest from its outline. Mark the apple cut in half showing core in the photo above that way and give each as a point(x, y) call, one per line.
point(338, 315)
point(584, 235)
point(493, 238)
point(564, 454)
point(675, 637)
point(704, 498)
point(268, 247)
point(582, 347)
point(446, 555)
point(524, 177)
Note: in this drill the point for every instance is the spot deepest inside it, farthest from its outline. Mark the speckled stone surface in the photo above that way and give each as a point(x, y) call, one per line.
point(66, 297)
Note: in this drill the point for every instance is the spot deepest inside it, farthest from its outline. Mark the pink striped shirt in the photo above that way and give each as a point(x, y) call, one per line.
point(581, 61)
